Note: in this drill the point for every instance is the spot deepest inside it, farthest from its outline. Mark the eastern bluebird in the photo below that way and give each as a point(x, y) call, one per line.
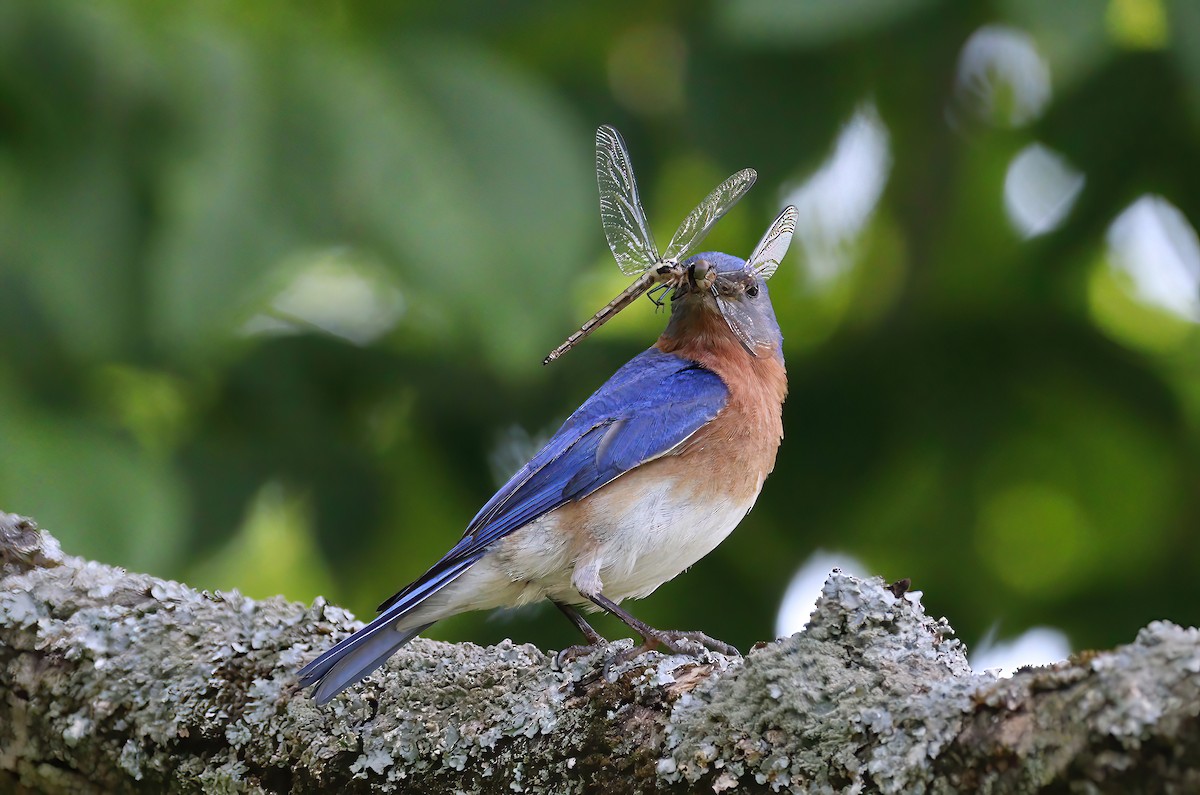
point(644, 479)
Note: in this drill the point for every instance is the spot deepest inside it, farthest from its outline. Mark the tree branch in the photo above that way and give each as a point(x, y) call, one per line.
point(119, 682)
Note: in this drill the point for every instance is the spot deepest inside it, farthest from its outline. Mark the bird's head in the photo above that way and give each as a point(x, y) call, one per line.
point(721, 285)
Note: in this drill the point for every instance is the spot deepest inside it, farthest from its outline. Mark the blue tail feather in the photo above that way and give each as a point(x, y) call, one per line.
point(356, 663)
point(358, 655)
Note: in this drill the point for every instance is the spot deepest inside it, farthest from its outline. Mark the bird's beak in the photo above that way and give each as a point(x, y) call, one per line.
point(702, 276)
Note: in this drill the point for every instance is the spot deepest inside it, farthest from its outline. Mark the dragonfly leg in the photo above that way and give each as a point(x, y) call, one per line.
point(654, 293)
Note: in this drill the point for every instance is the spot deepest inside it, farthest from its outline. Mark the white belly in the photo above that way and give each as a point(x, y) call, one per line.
point(624, 541)
point(648, 536)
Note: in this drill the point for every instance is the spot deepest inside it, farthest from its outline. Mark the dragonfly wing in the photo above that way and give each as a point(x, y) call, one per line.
point(621, 210)
point(774, 244)
point(708, 212)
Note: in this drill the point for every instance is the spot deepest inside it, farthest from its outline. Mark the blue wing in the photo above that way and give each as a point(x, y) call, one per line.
point(647, 408)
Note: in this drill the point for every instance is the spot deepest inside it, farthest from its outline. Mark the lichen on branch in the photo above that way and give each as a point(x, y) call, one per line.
point(120, 682)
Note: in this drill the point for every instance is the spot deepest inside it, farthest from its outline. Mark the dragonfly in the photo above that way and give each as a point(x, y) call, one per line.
point(628, 234)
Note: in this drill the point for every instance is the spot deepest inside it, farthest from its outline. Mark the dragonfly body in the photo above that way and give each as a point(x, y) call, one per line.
point(629, 236)
point(665, 274)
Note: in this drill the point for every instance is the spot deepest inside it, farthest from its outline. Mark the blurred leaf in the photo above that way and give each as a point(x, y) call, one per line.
point(1185, 47)
point(271, 554)
point(152, 406)
point(95, 490)
point(222, 224)
point(532, 202)
point(1138, 24)
point(1129, 321)
point(1071, 34)
point(67, 227)
point(811, 23)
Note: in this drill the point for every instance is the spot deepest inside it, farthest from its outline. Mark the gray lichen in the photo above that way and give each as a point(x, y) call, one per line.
point(870, 690)
point(115, 682)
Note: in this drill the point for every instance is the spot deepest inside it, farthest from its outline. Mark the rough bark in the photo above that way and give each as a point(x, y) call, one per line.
point(119, 682)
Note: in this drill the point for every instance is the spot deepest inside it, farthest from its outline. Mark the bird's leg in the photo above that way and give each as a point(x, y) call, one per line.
point(674, 641)
point(589, 632)
point(593, 637)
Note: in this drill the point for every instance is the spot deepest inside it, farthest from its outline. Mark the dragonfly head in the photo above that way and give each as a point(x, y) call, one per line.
point(716, 283)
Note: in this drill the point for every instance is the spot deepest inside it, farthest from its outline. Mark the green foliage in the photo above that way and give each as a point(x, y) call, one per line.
point(276, 281)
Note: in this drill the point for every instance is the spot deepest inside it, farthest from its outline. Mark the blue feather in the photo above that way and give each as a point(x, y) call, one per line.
point(649, 406)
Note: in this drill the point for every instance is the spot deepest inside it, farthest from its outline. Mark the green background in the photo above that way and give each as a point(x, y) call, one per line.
point(276, 280)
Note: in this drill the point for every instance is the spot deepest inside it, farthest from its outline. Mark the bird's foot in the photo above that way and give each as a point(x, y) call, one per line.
point(676, 641)
point(671, 640)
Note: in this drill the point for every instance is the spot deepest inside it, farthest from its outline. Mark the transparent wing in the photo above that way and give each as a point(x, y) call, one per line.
point(621, 211)
point(740, 322)
point(708, 212)
point(770, 250)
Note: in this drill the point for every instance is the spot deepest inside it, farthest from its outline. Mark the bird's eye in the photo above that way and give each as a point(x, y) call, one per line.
point(752, 290)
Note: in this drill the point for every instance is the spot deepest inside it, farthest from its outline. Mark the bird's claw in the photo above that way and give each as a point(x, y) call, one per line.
point(676, 641)
point(693, 644)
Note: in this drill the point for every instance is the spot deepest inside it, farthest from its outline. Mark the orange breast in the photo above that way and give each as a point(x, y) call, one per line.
point(738, 447)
